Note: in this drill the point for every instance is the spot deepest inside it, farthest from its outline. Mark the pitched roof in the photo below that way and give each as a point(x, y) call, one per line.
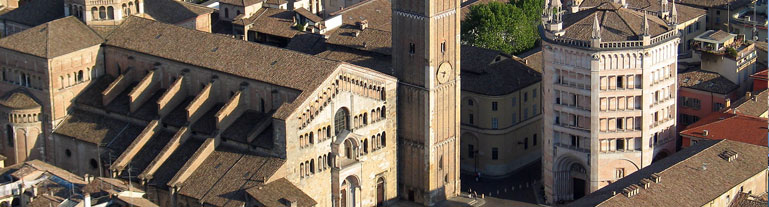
point(685, 13)
point(33, 13)
point(714, 3)
point(706, 81)
point(756, 105)
point(271, 21)
point(17, 99)
point(254, 61)
point(682, 178)
point(240, 2)
point(721, 126)
point(277, 192)
point(534, 60)
point(307, 14)
point(761, 75)
point(222, 178)
point(53, 39)
point(173, 11)
point(377, 37)
point(376, 61)
point(617, 23)
point(93, 128)
point(487, 75)
point(747, 200)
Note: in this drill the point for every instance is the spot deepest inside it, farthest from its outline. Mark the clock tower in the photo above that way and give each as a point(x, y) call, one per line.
point(425, 51)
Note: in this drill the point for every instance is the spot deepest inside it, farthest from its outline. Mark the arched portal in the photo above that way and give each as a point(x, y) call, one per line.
point(571, 180)
point(349, 192)
point(380, 192)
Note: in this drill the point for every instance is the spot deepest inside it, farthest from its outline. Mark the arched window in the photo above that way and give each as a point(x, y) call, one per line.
point(306, 168)
point(383, 140)
point(320, 163)
point(301, 169)
point(365, 119)
point(110, 13)
point(341, 121)
point(348, 149)
point(328, 131)
point(94, 13)
point(365, 145)
point(312, 166)
point(125, 10)
point(301, 140)
point(9, 134)
point(130, 8)
point(311, 141)
point(384, 113)
point(137, 7)
point(80, 76)
point(102, 13)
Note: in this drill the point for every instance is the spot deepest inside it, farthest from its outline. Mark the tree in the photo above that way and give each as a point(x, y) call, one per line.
point(508, 27)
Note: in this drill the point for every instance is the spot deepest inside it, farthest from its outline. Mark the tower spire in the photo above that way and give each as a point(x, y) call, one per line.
point(674, 15)
point(596, 28)
point(646, 25)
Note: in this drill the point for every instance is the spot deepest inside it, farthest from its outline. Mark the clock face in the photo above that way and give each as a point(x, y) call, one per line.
point(444, 73)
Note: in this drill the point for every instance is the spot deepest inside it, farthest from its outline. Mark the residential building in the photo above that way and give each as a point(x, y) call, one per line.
point(750, 21)
point(760, 80)
point(609, 89)
point(729, 55)
point(718, 11)
point(736, 127)
point(701, 93)
point(710, 173)
point(501, 113)
point(752, 104)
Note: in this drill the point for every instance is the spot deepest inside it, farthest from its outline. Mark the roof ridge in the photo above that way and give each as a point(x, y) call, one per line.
point(47, 42)
point(714, 122)
point(718, 142)
point(356, 5)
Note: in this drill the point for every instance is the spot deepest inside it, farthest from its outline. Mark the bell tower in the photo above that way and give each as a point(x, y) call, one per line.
point(425, 51)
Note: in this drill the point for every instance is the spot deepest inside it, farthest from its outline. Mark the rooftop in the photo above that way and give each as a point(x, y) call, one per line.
point(53, 39)
point(173, 11)
point(33, 13)
point(240, 2)
point(616, 23)
point(489, 72)
point(277, 22)
point(706, 81)
point(755, 105)
point(677, 173)
point(17, 99)
point(718, 126)
point(276, 193)
point(376, 37)
point(685, 13)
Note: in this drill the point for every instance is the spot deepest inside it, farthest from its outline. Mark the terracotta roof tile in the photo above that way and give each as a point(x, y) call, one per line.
point(756, 105)
point(17, 99)
point(240, 2)
point(682, 176)
point(173, 11)
point(52, 39)
point(277, 192)
point(617, 24)
point(483, 75)
point(706, 81)
point(307, 14)
point(35, 13)
point(685, 13)
point(752, 130)
point(271, 21)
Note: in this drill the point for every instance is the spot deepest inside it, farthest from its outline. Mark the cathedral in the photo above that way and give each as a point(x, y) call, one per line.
point(118, 89)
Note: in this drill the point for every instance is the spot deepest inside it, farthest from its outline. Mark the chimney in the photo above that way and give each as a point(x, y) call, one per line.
point(87, 200)
point(646, 182)
point(356, 33)
point(288, 202)
point(631, 190)
point(729, 155)
point(704, 166)
point(705, 132)
point(363, 24)
point(656, 177)
point(748, 95)
point(728, 103)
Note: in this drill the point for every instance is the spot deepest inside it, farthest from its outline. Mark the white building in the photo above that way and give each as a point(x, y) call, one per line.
point(622, 61)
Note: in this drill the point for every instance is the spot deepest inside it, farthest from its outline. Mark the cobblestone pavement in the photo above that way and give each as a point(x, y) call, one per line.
point(517, 189)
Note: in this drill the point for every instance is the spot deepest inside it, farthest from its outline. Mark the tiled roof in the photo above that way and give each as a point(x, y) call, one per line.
point(756, 105)
point(307, 43)
point(90, 127)
point(534, 60)
point(617, 23)
point(480, 75)
point(259, 62)
point(685, 13)
point(271, 21)
point(307, 14)
point(722, 126)
point(714, 3)
point(52, 39)
point(377, 36)
point(683, 179)
point(762, 75)
point(173, 11)
point(376, 61)
point(240, 2)
point(33, 13)
point(706, 81)
point(277, 192)
point(222, 178)
point(18, 100)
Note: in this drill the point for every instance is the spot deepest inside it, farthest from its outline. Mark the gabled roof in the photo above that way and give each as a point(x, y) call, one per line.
point(722, 126)
point(682, 178)
point(617, 23)
point(277, 66)
point(173, 11)
point(761, 75)
point(377, 37)
point(33, 13)
point(755, 105)
point(53, 39)
point(271, 21)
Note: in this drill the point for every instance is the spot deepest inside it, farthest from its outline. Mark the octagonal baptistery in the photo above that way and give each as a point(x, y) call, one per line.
point(103, 12)
point(609, 84)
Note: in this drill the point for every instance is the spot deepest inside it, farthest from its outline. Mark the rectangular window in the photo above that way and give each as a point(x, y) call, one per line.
point(515, 118)
point(534, 109)
point(534, 93)
point(525, 113)
point(470, 151)
point(620, 83)
point(412, 48)
point(620, 144)
point(494, 153)
point(494, 123)
point(525, 97)
point(443, 47)
point(526, 143)
point(534, 140)
point(718, 106)
point(494, 106)
point(574, 141)
point(471, 119)
point(514, 102)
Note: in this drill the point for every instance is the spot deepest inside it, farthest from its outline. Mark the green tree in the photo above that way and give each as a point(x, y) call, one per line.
point(508, 27)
